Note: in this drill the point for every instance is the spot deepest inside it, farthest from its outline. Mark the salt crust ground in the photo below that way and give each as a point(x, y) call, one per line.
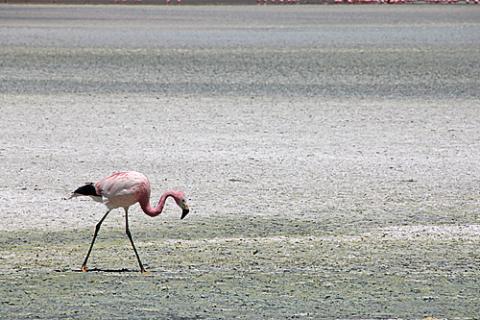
point(330, 156)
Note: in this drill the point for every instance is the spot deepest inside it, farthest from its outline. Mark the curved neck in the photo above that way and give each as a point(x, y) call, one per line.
point(155, 211)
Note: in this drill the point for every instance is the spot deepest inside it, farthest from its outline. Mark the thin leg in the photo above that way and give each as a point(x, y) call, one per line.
point(97, 228)
point(142, 269)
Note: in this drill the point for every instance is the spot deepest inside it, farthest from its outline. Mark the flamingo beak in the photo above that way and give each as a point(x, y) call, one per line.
point(185, 211)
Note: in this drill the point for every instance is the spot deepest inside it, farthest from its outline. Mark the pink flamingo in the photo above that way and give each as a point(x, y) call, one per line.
point(121, 190)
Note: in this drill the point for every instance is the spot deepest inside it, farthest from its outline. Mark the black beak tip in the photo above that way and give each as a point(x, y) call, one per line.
point(184, 213)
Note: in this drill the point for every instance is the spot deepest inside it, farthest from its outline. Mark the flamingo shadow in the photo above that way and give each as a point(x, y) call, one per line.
point(123, 270)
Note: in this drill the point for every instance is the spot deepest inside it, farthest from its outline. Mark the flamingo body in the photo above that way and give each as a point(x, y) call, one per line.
point(122, 190)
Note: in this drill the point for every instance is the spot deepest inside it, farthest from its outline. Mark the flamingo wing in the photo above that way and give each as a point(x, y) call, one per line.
point(122, 189)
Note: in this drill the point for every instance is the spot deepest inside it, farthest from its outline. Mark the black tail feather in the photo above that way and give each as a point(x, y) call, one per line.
point(87, 190)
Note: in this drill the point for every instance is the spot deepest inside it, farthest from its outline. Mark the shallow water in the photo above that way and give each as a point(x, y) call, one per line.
point(329, 154)
point(302, 51)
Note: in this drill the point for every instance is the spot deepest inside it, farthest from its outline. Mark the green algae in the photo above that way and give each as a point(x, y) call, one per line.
point(246, 272)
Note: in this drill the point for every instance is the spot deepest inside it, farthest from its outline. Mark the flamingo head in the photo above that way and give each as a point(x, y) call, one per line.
point(179, 197)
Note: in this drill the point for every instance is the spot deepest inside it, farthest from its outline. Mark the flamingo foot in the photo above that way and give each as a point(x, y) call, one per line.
point(84, 268)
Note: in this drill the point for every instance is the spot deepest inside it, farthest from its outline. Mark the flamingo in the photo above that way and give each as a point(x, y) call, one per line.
point(121, 190)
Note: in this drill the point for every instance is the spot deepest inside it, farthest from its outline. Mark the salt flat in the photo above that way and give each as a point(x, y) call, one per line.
point(330, 155)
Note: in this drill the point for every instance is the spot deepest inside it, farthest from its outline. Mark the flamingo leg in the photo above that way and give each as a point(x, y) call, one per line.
point(97, 228)
point(142, 269)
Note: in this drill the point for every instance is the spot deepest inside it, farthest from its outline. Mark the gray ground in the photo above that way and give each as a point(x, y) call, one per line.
point(330, 155)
